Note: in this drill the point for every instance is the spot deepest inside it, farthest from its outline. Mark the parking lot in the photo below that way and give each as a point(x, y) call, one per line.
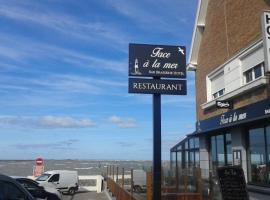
point(86, 196)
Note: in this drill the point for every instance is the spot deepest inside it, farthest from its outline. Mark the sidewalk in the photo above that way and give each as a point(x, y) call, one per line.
point(257, 196)
point(86, 196)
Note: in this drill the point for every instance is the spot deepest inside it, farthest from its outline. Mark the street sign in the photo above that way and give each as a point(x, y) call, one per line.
point(157, 61)
point(39, 161)
point(157, 86)
point(232, 183)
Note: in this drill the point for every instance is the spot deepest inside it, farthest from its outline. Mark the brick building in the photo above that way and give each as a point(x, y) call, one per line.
point(228, 57)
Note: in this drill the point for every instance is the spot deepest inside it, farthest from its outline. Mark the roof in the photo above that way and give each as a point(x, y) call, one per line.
point(197, 34)
point(190, 135)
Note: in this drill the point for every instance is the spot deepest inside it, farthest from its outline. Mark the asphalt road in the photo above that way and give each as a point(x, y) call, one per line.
point(85, 196)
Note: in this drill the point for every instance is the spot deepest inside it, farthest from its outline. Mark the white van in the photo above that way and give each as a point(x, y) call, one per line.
point(63, 180)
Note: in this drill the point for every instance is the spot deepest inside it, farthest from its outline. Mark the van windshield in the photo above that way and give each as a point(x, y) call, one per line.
point(43, 177)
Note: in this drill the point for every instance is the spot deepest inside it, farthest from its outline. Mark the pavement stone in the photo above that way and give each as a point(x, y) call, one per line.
point(86, 196)
point(257, 196)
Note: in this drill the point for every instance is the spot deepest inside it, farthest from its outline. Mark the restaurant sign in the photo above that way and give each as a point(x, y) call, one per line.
point(256, 111)
point(157, 61)
point(157, 86)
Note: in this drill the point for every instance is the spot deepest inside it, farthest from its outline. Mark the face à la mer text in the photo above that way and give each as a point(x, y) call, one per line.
point(158, 53)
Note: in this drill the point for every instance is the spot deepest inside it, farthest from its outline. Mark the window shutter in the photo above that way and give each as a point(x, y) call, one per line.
point(217, 83)
point(252, 59)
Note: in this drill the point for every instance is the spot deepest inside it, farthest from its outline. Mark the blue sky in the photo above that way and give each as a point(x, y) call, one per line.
point(64, 80)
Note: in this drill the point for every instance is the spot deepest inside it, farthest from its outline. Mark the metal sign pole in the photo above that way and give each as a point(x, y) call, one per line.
point(156, 147)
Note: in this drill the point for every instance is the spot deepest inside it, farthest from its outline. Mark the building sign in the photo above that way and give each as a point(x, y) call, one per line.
point(157, 86)
point(224, 104)
point(245, 114)
point(266, 39)
point(232, 183)
point(157, 61)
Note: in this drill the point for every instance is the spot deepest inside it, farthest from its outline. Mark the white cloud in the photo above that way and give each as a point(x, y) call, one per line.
point(123, 123)
point(64, 122)
point(46, 122)
point(63, 145)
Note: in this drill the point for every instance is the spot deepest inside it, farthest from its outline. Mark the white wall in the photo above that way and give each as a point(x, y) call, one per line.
point(98, 187)
point(233, 70)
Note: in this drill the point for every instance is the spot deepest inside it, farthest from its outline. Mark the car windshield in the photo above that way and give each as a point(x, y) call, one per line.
point(43, 177)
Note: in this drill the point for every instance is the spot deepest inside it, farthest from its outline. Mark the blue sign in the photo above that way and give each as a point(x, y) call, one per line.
point(242, 115)
point(157, 61)
point(157, 86)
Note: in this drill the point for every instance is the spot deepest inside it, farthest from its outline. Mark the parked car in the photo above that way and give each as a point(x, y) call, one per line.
point(64, 180)
point(41, 192)
point(11, 189)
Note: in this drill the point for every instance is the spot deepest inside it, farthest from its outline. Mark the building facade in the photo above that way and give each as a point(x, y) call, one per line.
point(228, 57)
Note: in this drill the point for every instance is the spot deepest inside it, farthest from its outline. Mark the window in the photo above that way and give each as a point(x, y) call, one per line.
point(228, 149)
point(191, 143)
point(186, 159)
point(179, 147)
point(197, 159)
point(259, 155)
point(213, 150)
point(217, 84)
point(268, 148)
point(254, 73)
point(43, 177)
point(221, 151)
point(187, 154)
point(54, 178)
point(173, 162)
point(238, 75)
point(248, 76)
point(191, 158)
point(186, 144)
point(258, 70)
point(197, 142)
point(179, 160)
point(29, 185)
point(192, 153)
point(219, 93)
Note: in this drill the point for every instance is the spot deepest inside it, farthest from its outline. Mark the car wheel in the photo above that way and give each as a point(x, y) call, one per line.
point(72, 191)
